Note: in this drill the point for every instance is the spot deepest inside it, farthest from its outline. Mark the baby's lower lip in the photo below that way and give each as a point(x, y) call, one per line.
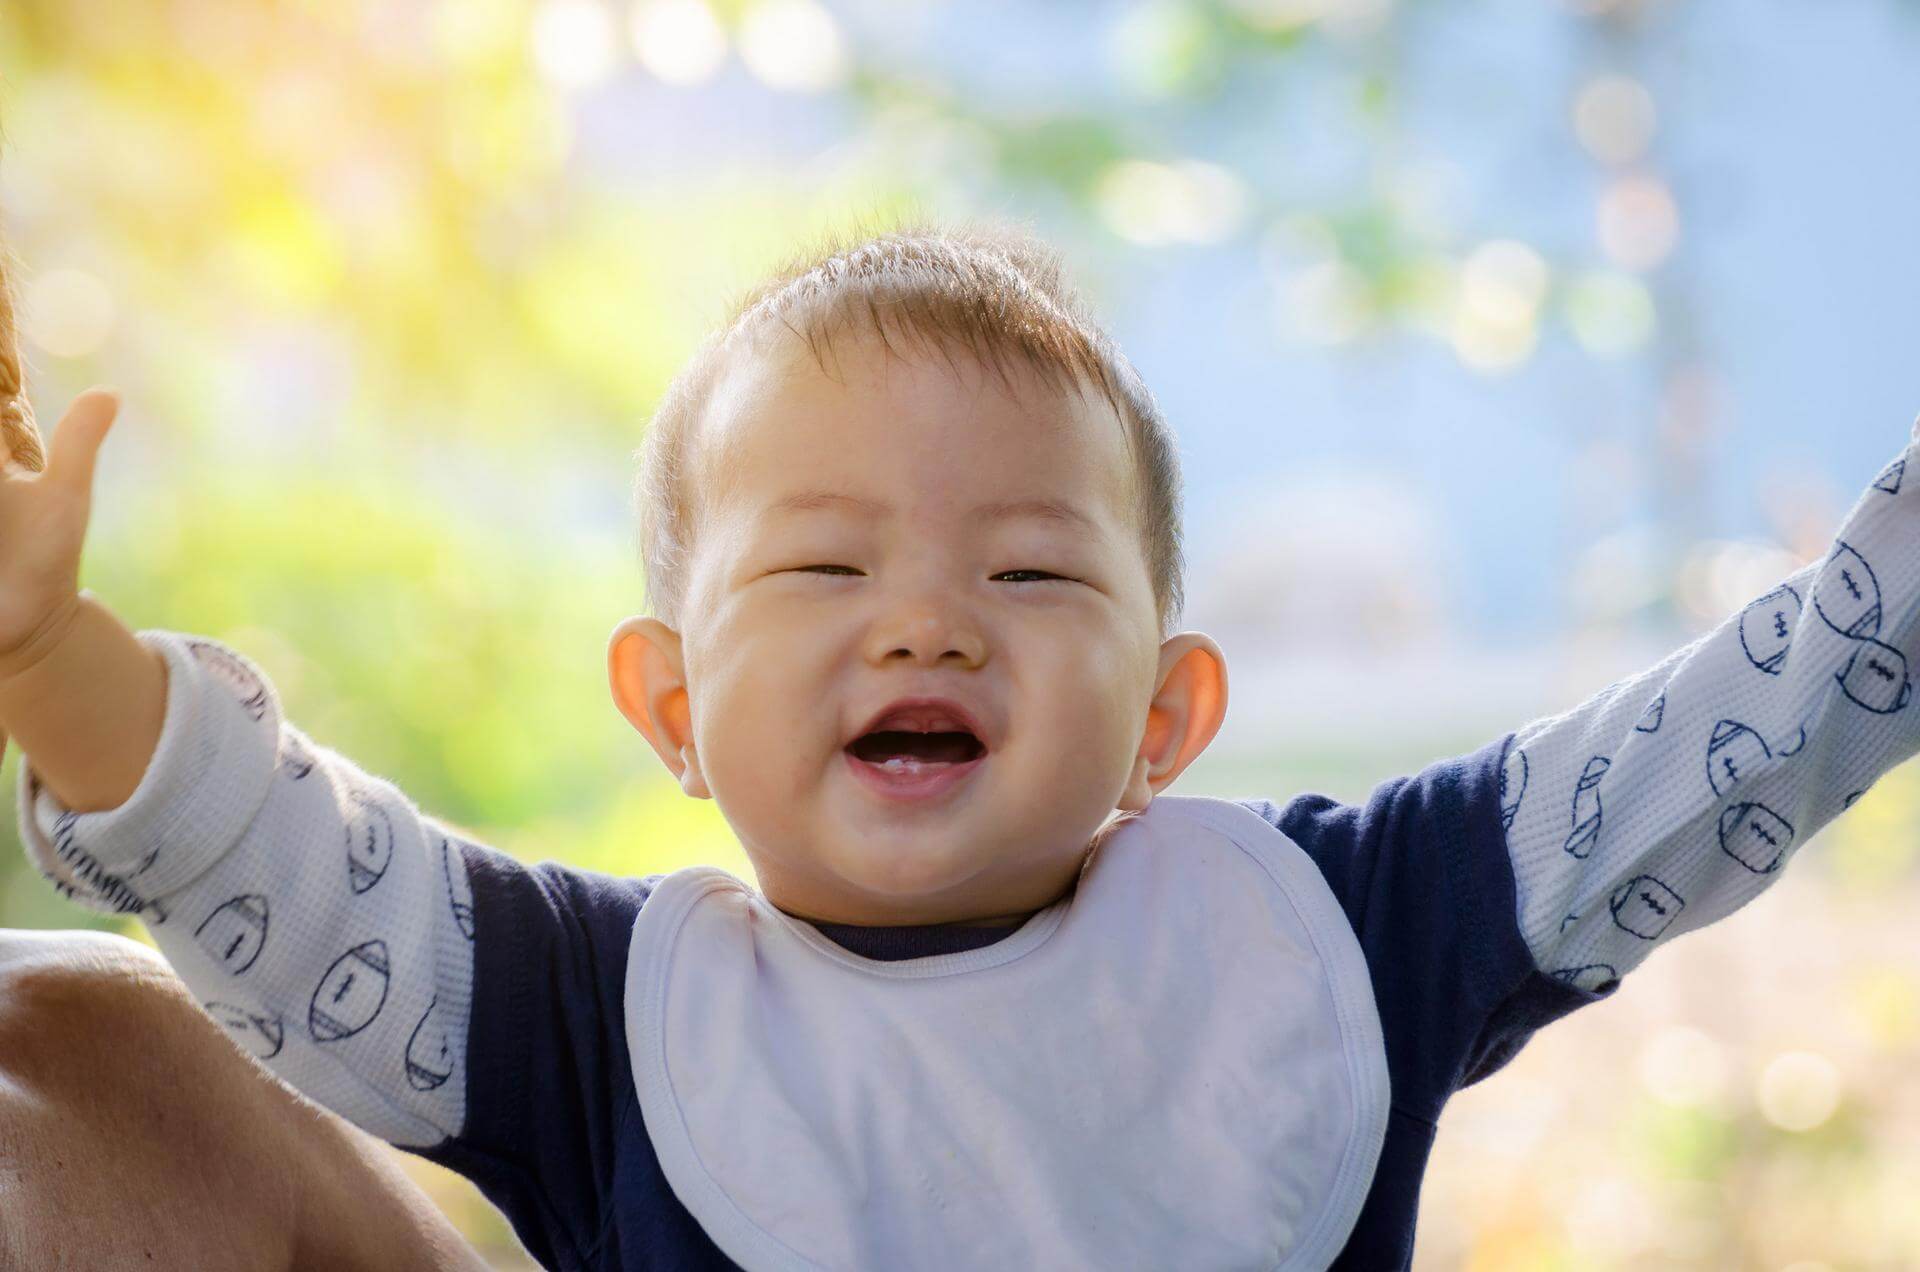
point(913, 781)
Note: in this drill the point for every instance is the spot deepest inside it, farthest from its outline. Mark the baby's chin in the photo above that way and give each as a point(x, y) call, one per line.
point(910, 875)
point(887, 882)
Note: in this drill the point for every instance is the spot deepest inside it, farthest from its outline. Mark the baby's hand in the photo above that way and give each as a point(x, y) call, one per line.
point(43, 521)
point(43, 524)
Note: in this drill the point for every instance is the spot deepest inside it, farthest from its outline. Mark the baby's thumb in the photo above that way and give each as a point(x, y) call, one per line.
point(77, 438)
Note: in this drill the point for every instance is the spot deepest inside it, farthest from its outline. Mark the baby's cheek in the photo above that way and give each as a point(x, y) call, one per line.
point(779, 735)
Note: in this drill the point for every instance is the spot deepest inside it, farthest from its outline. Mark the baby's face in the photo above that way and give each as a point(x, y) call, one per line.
point(880, 539)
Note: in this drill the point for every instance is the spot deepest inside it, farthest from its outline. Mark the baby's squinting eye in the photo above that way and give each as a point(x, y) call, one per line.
point(1045, 576)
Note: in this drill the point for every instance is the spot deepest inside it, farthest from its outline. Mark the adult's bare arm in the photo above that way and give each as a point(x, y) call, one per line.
point(134, 1133)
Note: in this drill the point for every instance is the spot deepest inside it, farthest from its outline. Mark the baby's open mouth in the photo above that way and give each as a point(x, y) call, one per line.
point(903, 749)
point(915, 768)
point(917, 750)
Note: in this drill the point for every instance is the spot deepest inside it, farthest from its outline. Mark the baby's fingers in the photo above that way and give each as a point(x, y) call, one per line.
point(77, 438)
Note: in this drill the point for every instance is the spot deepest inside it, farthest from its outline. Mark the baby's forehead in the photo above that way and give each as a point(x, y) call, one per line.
point(779, 423)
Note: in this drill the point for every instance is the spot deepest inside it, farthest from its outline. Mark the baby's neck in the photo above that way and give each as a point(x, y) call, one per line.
point(997, 920)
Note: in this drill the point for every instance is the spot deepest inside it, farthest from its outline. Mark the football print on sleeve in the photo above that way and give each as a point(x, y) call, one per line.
point(260, 1035)
point(351, 994)
point(429, 1052)
point(1793, 707)
point(235, 933)
point(369, 842)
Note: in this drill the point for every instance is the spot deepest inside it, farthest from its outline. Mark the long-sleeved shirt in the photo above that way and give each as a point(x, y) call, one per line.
point(466, 1007)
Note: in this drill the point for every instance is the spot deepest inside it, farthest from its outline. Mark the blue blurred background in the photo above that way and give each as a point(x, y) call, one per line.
point(1510, 345)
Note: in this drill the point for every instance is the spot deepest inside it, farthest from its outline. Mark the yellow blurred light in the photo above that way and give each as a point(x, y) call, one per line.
point(282, 249)
point(1798, 1090)
point(508, 138)
point(1614, 118)
point(1886, 1002)
point(1873, 842)
point(467, 32)
point(1503, 282)
point(573, 42)
point(1326, 304)
point(1189, 201)
point(67, 312)
point(1493, 344)
point(375, 203)
point(1683, 1066)
point(281, 112)
point(679, 41)
point(1638, 222)
point(1610, 313)
point(793, 45)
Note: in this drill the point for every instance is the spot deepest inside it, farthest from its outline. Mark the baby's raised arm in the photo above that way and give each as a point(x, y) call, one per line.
point(317, 915)
point(362, 951)
point(1670, 799)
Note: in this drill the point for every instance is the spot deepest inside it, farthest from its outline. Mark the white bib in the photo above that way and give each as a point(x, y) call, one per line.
point(1179, 1065)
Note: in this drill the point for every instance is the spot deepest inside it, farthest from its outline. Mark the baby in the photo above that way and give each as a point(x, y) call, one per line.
point(910, 523)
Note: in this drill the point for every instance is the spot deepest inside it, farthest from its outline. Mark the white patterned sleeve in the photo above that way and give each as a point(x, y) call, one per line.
point(1670, 799)
point(315, 913)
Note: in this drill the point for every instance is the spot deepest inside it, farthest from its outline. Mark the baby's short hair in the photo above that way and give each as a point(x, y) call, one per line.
point(988, 289)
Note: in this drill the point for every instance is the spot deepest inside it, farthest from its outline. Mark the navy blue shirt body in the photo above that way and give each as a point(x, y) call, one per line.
point(554, 1135)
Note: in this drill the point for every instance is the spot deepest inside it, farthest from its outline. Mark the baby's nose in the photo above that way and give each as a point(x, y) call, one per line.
point(931, 634)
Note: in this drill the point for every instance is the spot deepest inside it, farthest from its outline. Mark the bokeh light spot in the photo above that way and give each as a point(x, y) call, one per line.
point(1610, 313)
point(1326, 304)
point(794, 46)
point(1613, 116)
point(1798, 1090)
point(573, 42)
point(1638, 222)
point(1190, 201)
point(1683, 1066)
point(67, 312)
point(678, 41)
point(1503, 282)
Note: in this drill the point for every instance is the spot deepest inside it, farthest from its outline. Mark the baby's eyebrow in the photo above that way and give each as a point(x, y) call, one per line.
point(998, 510)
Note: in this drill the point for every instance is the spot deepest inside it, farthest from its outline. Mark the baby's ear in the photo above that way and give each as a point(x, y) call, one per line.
point(648, 678)
point(1187, 710)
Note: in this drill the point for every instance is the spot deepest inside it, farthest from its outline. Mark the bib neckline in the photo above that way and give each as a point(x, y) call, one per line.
point(1019, 942)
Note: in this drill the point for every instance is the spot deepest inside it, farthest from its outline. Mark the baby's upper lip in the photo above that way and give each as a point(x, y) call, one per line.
point(926, 715)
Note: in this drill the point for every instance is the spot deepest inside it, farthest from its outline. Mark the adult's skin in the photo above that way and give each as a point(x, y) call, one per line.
point(134, 1134)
